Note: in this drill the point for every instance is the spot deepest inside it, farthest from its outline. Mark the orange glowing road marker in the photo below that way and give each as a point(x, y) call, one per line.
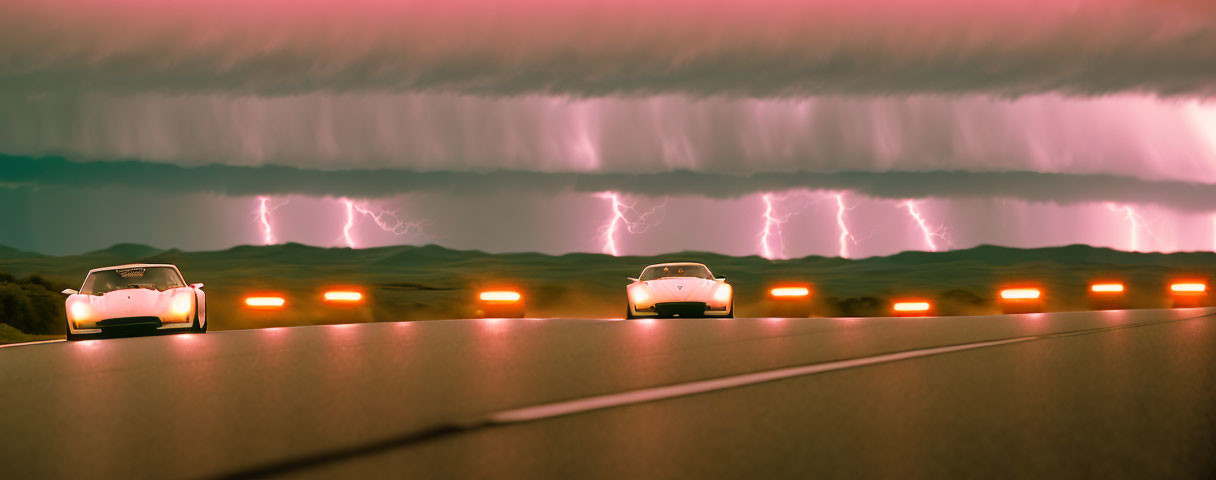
point(506, 296)
point(1021, 294)
point(1189, 288)
point(507, 303)
point(790, 292)
point(343, 296)
point(912, 306)
point(266, 303)
point(1106, 288)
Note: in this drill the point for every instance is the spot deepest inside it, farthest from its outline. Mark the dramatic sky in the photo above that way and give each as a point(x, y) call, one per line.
point(769, 127)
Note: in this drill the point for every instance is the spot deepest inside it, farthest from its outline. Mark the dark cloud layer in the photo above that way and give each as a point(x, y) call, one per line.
point(601, 47)
point(1127, 135)
point(278, 180)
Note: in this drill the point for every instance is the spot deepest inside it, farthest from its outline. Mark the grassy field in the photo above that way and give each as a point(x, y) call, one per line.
point(431, 282)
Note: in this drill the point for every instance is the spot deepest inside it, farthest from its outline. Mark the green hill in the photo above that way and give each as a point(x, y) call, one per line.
point(126, 252)
point(9, 253)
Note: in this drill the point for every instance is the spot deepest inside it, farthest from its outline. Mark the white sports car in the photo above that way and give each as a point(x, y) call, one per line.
point(679, 289)
point(142, 295)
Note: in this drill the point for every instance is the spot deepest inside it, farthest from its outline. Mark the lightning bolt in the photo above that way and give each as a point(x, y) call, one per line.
point(620, 216)
point(1135, 223)
point(929, 234)
point(772, 245)
point(846, 237)
point(350, 223)
point(772, 228)
point(264, 217)
point(263, 213)
point(386, 220)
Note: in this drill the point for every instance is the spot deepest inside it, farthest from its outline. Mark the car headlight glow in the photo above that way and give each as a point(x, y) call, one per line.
point(639, 296)
point(80, 311)
point(180, 306)
point(722, 294)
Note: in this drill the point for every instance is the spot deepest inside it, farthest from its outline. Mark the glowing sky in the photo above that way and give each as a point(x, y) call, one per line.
point(1016, 122)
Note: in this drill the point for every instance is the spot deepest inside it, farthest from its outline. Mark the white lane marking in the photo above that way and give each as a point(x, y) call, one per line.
point(23, 344)
point(581, 405)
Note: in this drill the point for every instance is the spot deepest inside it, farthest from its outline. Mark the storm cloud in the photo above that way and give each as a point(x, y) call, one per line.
point(608, 47)
point(1129, 136)
point(277, 180)
point(754, 125)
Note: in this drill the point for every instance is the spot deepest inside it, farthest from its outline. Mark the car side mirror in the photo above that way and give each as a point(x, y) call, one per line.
point(720, 279)
point(68, 291)
point(631, 279)
point(197, 286)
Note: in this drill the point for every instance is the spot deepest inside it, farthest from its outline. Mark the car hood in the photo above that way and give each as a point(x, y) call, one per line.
point(135, 302)
point(681, 289)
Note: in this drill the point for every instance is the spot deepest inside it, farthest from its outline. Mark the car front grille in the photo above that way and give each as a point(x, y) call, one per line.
point(130, 322)
point(680, 309)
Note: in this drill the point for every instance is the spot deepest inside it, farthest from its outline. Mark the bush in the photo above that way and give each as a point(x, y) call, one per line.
point(963, 302)
point(15, 307)
point(48, 308)
point(32, 306)
point(857, 307)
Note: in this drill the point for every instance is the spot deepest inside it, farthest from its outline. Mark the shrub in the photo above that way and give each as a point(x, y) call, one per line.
point(962, 302)
point(15, 307)
point(857, 307)
point(32, 306)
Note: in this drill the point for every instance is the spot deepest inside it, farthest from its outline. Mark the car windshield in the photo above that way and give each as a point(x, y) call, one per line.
point(668, 271)
point(155, 278)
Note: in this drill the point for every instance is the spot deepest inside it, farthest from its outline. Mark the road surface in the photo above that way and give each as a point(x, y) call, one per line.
point(1098, 394)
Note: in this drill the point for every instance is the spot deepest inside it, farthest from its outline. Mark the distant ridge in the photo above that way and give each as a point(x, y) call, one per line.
point(1065, 255)
point(127, 251)
point(7, 253)
point(988, 254)
point(993, 255)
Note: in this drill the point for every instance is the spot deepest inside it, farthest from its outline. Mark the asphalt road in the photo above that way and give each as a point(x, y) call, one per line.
point(1128, 394)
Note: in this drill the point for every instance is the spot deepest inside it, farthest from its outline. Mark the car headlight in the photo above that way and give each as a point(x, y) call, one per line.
point(180, 306)
point(722, 294)
point(639, 297)
point(80, 312)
